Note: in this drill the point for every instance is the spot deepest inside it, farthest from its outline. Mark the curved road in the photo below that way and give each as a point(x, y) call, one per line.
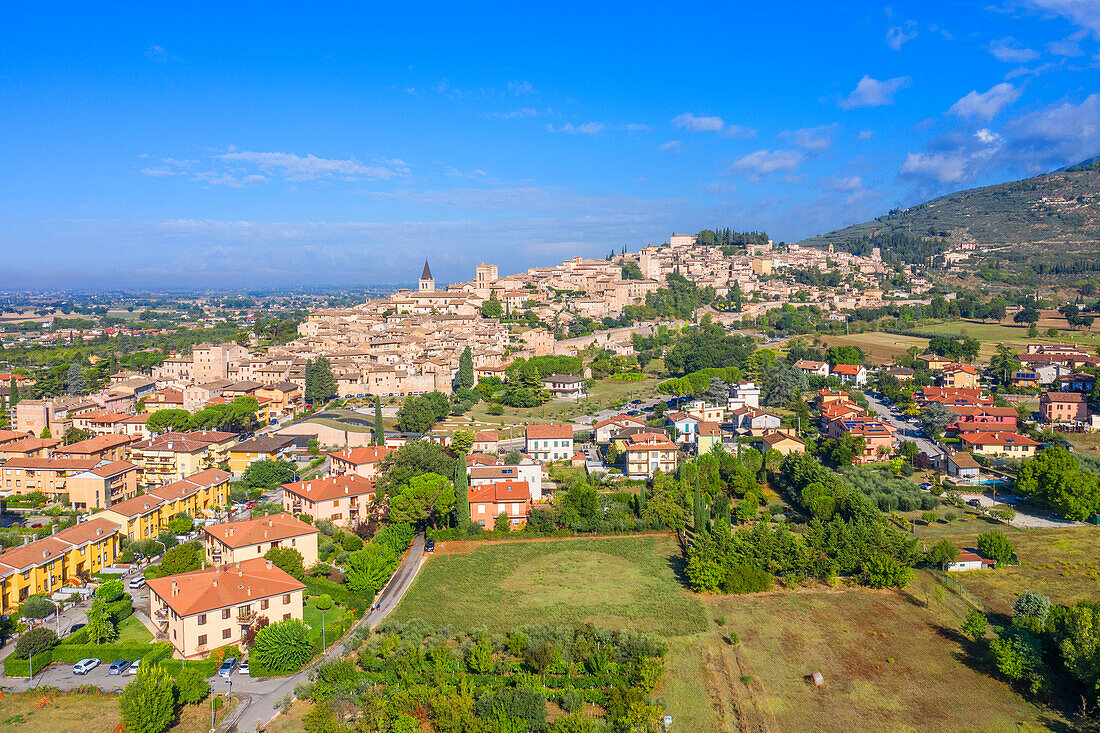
point(265, 694)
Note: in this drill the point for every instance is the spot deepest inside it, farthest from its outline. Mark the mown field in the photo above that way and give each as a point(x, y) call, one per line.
point(891, 660)
point(602, 394)
point(38, 712)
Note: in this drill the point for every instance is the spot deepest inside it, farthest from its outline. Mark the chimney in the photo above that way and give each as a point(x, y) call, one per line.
point(269, 565)
point(248, 591)
point(175, 588)
point(55, 528)
point(214, 581)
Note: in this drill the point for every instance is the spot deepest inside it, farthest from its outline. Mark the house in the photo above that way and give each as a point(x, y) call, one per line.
point(753, 421)
point(1012, 445)
point(851, 374)
point(170, 457)
point(564, 386)
point(144, 516)
point(825, 397)
point(261, 448)
point(700, 410)
point(252, 538)
point(982, 417)
point(647, 452)
point(486, 441)
point(1028, 379)
point(101, 447)
point(741, 394)
point(960, 376)
point(952, 396)
point(107, 483)
point(840, 410)
point(902, 374)
point(361, 461)
point(549, 442)
point(784, 443)
point(970, 560)
point(707, 436)
point(686, 425)
point(813, 368)
point(202, 610)
point(344, 500)
point(935, 362)
point(962, 466)
point(878, 437)
point(489, 501)
point(528, 471)
point(45, 566)
point(1063, 407)
point(1077, 382)
point(612, 425)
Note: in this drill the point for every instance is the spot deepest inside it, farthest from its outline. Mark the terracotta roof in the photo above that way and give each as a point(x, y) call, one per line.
point(262, 444)
point(649, 442)
point(961, 368)
point(620, 419)
point(544, 432)
point(10, 435)
point(260, 529)
point(851, 369)
point(95, 445)
point(807, 364)
point(499, 492)
point(962, 459)
point(364, 455)
point(49, 548)
point(106, 470)
point(30, 444)
point(210, 589)
point(332, 487)
point(776, 438)
point(979, 438)
point(486, 436)
point(709, 428)
point(1063, 397)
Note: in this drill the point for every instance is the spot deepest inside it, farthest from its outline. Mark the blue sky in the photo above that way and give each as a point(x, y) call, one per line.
point(278, 144)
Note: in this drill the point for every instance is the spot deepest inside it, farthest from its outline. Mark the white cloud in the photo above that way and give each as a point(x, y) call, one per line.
point(514, 114)
point(870, 92)
point(898, 36)
point(158, 54)
point(985, 105)
point(846, 184)
point(987, 136)
point(1085, 13)
point(636, 127)
point(308, 168)
point(673, 145)
point(814, 139)
point(1070, 45)
point(865, 135)
point(696, 123)
point(1009, 51)
point(763, 163)
point(521, 87)
point(587, 128)
point(944, 168)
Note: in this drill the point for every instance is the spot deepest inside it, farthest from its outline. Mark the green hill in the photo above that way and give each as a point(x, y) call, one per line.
point(1061, 207)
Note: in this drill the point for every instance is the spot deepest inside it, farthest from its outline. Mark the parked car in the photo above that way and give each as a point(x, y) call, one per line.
point(926, 486)
point(76, 627)
point(133, 669)
point(250, 504)
point(974, 502)
point(137, 582)
point(243, 669)
point(429, 545)
point(119, 667)
point(228, 667)
point(84, 666)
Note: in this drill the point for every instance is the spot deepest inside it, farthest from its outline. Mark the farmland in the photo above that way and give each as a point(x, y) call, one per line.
point(891, 660)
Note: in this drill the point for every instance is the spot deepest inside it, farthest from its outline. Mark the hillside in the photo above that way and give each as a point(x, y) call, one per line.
point(1059, 207)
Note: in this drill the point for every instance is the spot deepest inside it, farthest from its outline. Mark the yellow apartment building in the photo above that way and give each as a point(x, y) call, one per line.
point(145, 516)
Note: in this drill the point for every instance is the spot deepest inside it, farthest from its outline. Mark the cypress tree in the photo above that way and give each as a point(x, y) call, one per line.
point(324, 380)
point(379, 426)
point(699, 520)
point(311, 389)
point(462, 493)
point(466, 369)
point(13, 392)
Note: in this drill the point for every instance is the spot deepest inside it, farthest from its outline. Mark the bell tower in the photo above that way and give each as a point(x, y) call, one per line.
point(427, 282)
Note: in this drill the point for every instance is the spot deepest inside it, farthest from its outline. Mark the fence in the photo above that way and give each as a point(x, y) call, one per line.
point(957, 588)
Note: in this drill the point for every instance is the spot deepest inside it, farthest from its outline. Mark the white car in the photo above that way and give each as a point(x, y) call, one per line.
point(84, 666)
point(137, 582)
point(243, 669)
point(134, 667)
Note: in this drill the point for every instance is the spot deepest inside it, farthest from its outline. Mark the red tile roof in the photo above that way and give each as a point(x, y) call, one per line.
point(260, 529)
point(211, 589)
point(549, 432)
point(333, 487)
point(364, 455)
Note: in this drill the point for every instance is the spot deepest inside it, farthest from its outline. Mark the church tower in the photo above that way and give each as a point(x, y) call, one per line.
point(427, 282)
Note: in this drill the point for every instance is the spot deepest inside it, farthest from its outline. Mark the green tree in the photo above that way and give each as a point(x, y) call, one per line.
point(426, 498)
point(170, 420)
point(148, 704)
point(100, 628)
point(287, 559)
point(191, 686)
point(462, 440)
point(45, 433)
point(935, 418)
point(321, 383)
point(1055, 478)
point(413, 459)
point(883, 571)
point(370, 568)
point(416, 415)
point(313, 446)
point(74, 381)
point(943, 553)
point(975, 624)
point(323, 602)
point(267, 474)
point(36, 607)
point(181, 523)
point(110, 591)
point(995, 546)
point(38, 640)
point(179, 559)
point(465, 378)
point(492, 308)
point(283, 647)
point(379, 426)
point(13, 391)
point(462, 493)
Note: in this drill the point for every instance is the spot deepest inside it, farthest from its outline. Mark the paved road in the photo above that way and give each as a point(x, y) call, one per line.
point(906, 430)
point(265, 694)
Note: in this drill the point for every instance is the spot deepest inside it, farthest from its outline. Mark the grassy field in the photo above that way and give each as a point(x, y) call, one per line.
point(601, 395)
point(94, 713)
point(613, 582)
point(891, 660)
point(879, 347)
point(133, 630)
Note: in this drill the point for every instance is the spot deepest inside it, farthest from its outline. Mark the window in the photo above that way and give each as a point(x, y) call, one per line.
point(202, 619)
point(202, 639)
point(286, 616)
point(286, 599)
point(225, 613)
point(264, 604)
point(226, 633)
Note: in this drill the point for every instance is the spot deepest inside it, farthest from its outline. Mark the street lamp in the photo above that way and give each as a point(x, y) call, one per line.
point(212, 696)
point(323, 644)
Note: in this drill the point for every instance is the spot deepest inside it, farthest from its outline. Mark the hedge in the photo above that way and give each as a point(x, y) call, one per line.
point(338, 592)
point(72, 653)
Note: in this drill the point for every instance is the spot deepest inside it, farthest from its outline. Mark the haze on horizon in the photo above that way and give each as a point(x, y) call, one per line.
point(275, 145)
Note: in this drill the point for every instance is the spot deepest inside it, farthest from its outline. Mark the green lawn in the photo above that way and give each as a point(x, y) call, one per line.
point(612, 582)
point(336, 620)
point(602, 394)
point(133, 630)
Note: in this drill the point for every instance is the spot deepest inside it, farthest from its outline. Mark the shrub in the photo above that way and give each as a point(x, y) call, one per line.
point(110, 591)
point(975, 624)
point(36, 641)
point(283, 647)
point(288, 560)
point(191, 686)
point(995, 546)
point(148, 704)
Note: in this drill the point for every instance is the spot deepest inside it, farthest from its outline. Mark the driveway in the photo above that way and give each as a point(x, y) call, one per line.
point(1028, 516)
point(906, 430)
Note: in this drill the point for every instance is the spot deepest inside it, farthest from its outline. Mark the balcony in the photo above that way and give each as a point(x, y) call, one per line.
point(246, 617)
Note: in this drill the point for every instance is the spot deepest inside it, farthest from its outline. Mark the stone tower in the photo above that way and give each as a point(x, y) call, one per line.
point(427, 282)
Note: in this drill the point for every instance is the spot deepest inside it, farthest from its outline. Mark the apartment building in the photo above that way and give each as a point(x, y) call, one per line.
point(145, 516)
point(1063, 407)
point(171, 457)
point(344, 500)
point(489, 501)
point(361, 461)
point(960, 376)
point(29, 447)
point(109, 482)
point(252, 538)
point(528, 471)
point(48, 564)
point(549, 442)
point(47, 475)
point(202, 610)
point(101, 447)
point(261, 448)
